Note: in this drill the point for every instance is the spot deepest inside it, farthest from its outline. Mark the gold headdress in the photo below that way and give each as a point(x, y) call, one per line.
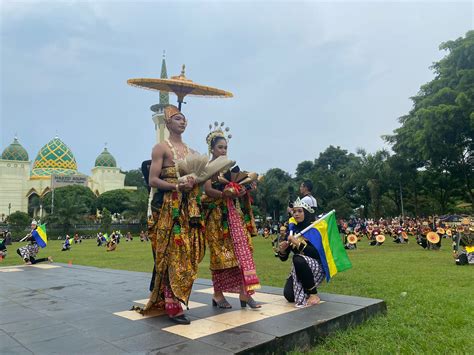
point(219, 131)
point(302, 204)
point(170, 111)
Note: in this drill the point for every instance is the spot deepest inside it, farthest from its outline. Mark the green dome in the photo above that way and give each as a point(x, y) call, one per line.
point(55, 158)
point(106, 159)
point(15, 151)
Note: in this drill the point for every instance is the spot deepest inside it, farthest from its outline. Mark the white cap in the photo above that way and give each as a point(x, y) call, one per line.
point(34, 222)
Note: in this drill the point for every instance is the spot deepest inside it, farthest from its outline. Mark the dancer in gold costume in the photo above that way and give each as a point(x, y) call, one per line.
point(176, 231)
point(229, 226)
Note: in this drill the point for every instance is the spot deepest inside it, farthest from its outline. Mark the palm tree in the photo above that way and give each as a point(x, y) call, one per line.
point(68, 213)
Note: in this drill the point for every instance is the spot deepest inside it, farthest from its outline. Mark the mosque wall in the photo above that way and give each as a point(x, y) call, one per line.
point(13, 187)
point(104, 179)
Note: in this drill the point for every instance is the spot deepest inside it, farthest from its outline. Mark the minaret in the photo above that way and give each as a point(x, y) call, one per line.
point(158, 109)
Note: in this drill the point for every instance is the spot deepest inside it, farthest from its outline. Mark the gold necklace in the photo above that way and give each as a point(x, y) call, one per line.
point(177, 156)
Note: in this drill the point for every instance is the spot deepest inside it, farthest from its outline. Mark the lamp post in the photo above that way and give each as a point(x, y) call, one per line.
point(401, 200)
point(9, 208)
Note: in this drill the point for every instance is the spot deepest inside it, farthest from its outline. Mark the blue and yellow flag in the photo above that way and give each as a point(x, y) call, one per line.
point(325, 237)
point(40, 235)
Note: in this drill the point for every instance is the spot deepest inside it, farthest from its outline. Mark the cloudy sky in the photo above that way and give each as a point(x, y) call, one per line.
point(304, 75)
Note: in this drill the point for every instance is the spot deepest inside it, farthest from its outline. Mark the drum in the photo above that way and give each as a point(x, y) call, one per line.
point(352, 239)
point(433, 237)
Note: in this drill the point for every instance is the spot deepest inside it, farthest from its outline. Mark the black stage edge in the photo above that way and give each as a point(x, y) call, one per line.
point(72, 309)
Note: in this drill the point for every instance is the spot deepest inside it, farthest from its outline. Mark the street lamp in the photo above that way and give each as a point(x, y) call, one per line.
point(9, 208)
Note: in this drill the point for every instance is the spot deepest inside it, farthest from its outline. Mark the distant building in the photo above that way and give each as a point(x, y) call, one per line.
point(22, 182)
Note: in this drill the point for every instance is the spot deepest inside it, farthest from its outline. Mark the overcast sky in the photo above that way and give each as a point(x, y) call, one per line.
point(305, 75)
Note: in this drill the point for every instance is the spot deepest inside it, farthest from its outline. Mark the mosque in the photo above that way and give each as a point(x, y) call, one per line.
point(22, 182)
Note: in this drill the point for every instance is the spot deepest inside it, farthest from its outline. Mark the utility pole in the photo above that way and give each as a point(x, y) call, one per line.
point(401, 201)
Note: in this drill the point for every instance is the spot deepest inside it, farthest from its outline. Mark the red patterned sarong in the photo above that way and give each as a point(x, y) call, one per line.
point(241, 246)
point(172, 306)
point(227, 280)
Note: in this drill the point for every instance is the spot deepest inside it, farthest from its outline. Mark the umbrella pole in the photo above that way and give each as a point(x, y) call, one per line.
point(180, 101)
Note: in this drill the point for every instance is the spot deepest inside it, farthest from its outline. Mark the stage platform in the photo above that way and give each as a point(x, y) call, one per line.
point(71, 309)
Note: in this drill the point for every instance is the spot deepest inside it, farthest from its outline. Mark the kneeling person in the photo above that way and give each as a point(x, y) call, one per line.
point(307, 272)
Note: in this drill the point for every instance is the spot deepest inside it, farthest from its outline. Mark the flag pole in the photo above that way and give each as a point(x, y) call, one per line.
point(312, 224)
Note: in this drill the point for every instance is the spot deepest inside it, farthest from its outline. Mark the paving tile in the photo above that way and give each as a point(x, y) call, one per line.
point(45, 266)
point(12, 269)
point(76, 343)
point(42, 334)
point(112, 328)
point(237, 339)
point(191, 348)
point(7, 341)
point(277, 326)
point(102, 349)
point(17, 313)
point(30, 324)
point(359, 301)
point(72, 314)
point(153, 340)
point(17, 350)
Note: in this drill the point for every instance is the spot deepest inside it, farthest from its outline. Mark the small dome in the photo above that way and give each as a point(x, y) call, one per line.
point(15, 151)
point(55, 158)
point(106, 159)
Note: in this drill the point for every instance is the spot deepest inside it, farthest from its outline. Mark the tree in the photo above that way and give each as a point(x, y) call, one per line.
point(137, 206)
point(331, 177)
point(116, 201)
point(18, 221)
point(304, 169)
point(81, 194)
point(438, 133)
point(68, 212)
point(106, 220)
point(134, 178)
point(273, 193)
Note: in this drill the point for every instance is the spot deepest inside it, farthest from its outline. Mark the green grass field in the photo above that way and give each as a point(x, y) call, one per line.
point(435, 316)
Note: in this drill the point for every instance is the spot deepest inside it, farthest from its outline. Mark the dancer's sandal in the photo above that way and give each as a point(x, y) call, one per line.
point(251, 303)
point(181, 319)
point(221, 304)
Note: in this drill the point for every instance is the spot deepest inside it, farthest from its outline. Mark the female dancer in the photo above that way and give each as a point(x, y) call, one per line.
point(307, 272)
point(229, 226)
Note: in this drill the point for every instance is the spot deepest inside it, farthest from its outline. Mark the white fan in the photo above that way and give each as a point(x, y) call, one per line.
point(200, 168)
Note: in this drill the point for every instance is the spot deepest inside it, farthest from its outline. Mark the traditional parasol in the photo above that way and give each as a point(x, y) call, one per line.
point(380, 238)
point(180, 86)
point(440, 231)
point(433, 237)
point(352, 239)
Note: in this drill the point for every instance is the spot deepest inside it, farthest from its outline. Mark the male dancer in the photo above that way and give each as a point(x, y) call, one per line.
point(176, 234)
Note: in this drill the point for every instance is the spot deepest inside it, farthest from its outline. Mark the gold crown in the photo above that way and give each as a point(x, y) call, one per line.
point(300, 203)
point(170, 111)
point(219, 131)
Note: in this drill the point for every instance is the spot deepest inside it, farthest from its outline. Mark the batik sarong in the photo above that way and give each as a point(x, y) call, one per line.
point(298, 290)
